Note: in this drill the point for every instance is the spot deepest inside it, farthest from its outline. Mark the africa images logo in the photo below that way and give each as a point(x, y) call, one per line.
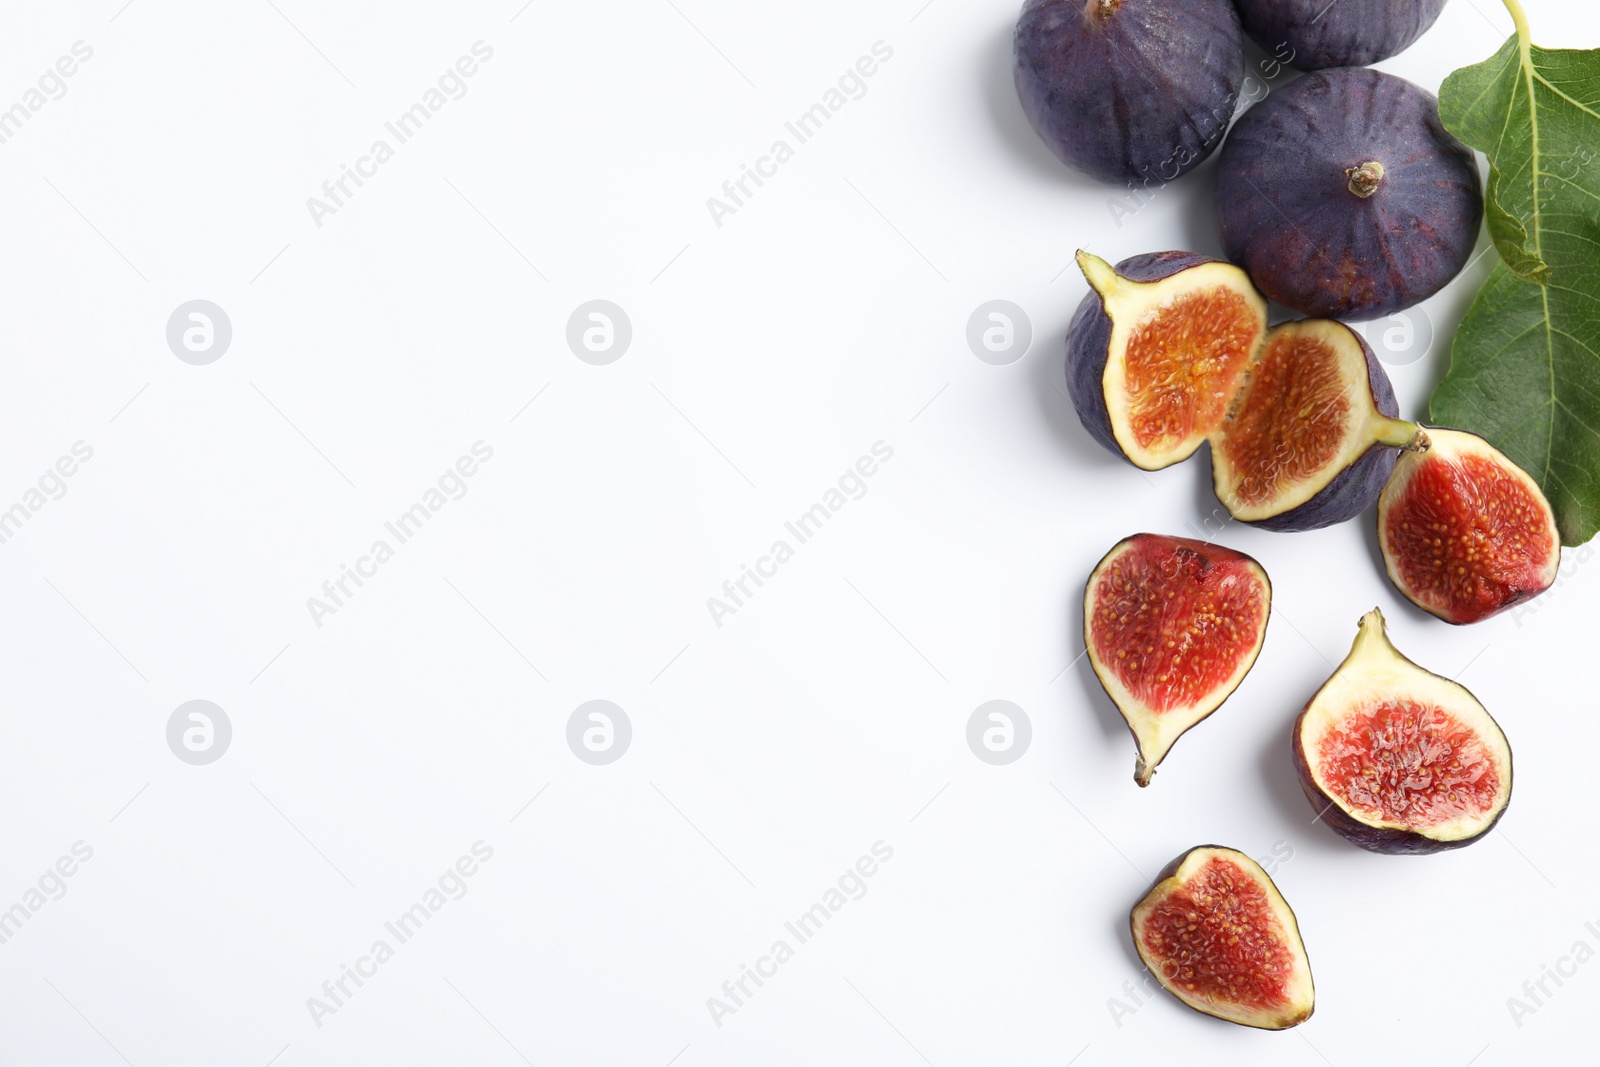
point(337, 592)
point(851, 885)
point(736, 592)
point(852, 85)
point(451, 85)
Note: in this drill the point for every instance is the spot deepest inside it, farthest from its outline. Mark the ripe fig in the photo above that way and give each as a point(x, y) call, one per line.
point(1313, 34)
point(1172, 626)
point(1157, 349)
point(1171, 349)
point(1216, 932)
point(1465, 532)
point(1129, 90)
point(1397, 759)
point(1312, 435)
point(1344, 196)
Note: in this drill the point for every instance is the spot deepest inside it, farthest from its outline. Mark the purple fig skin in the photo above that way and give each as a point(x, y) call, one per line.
point(1311, 35)
point(1357, 487)
point(1089, 341)
point(1386, 840)
point(1129, 90)
point(1290, 217)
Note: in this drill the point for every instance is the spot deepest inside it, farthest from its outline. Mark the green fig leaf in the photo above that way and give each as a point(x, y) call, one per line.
point(1525, 364)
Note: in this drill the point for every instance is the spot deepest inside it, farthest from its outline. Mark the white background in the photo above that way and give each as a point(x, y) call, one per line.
point(768, 754)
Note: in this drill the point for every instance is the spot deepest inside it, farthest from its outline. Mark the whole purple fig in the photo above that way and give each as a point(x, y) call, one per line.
point(1343, 195)
point(1138, 90)
point(1313, 34)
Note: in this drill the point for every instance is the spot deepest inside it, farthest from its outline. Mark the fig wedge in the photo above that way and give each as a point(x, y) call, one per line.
point(1465, 532)
point(1172, 625)
point(1397, 759)
point(1157, 349)
point(1312, 436)
point(1216, 932)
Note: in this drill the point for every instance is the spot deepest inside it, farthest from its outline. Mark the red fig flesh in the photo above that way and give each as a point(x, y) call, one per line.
point(1465, 532)
point(1172, 626)
point(1216, 932)
point(1158, 350)
point(1311, 437)
point(1397, 759)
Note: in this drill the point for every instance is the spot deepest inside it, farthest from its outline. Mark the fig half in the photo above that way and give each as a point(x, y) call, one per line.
point(1312, 436)
point(1465, 532)
point(1157, 349)
point(1397, 759)
point(1172, 349)
point(1216, 932)
point(1172, 626)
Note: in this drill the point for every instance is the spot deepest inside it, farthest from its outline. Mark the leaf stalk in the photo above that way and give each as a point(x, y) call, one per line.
point(1520, 19)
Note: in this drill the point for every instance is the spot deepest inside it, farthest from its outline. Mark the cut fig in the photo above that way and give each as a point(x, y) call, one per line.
point(1216, 932)
point(1172, 626)
point(1465, 532)
point(1313, 435)
point(1157, 350)
point(1397, 759)
point(1172, 349)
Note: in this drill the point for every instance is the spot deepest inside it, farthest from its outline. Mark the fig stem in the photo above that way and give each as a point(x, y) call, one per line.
point(1101, 10)
point(1373, 631)
point(1398, 433)
point(1365, 179)
point(1142, 772)
point(1102, 276)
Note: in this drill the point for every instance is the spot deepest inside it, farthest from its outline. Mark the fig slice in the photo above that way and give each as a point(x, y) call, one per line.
point(1216, 932)
point(1312, 435)
point(1465, 532)
point(1172, 625)
point(1171, 349)
point(1157, 350)
point(1397, 759)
